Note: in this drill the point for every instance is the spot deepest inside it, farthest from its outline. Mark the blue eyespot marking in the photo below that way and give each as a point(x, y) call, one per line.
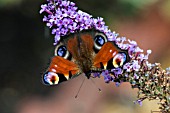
point(62, 50)
point(99, 40)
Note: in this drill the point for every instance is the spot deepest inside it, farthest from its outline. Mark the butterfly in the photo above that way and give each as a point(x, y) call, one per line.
point(87, 52)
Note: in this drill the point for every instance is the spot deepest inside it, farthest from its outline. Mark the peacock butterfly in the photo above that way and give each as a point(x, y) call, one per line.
point(87, 52)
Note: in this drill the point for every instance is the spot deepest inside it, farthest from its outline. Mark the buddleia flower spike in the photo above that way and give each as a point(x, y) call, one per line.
point(63, 18)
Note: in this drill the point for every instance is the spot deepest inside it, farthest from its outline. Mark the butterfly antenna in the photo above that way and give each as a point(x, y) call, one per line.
point(80, 88)
point(95, 85)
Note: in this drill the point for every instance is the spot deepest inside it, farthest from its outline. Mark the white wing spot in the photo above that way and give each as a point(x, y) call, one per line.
point(114, 53)
point(53, 70)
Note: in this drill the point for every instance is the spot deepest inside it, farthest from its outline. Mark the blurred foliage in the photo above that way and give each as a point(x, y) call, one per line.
point(139, 3)
point(113, 8)
point(164, 10)
point(8, 3)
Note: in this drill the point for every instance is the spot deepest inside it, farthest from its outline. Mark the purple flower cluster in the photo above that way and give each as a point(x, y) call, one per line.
point(107, 76)
point(113, 75)
point(63, 17)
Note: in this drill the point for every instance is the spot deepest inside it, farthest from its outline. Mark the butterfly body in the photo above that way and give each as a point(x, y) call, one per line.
point(84, 52)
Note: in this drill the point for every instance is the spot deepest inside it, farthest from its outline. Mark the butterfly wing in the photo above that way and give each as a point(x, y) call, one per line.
point(110, 56)
point(105, 54)
point(60, 70)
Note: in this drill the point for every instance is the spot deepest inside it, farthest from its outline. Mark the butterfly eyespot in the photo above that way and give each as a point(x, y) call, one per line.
point(51, 78)
point(62, 51)
point(119, 59)
point(99, 41)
